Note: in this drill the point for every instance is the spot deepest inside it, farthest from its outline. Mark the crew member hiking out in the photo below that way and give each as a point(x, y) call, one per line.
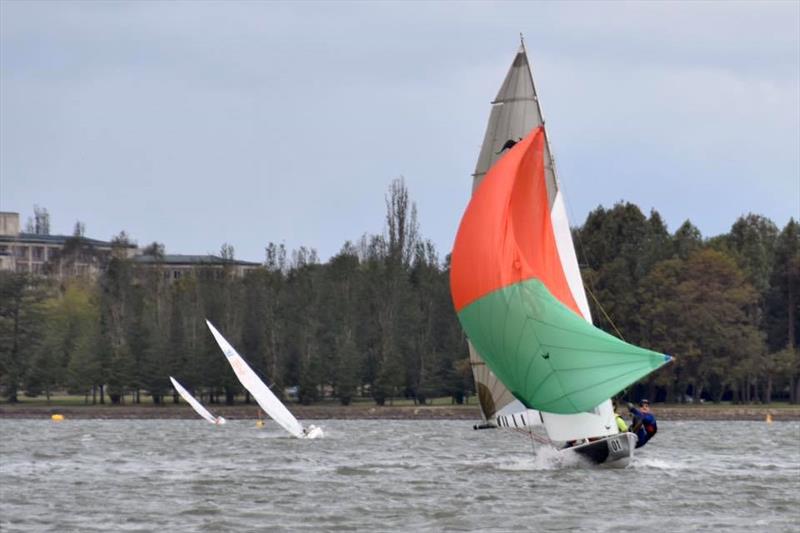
point(643, 423)
point(621, 425)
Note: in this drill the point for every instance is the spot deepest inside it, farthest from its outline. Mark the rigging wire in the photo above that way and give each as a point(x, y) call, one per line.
point(608, 318)
point(591, 288)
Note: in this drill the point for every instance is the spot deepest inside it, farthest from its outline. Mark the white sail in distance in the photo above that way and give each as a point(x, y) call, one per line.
point(265, 397)
point(197, 406)
point(515, 112)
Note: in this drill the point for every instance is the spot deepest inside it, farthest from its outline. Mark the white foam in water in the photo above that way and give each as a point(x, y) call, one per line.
point(652, 462)
point(521, 464)
point(545, 458)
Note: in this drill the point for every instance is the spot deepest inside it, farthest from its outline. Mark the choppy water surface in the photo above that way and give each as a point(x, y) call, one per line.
point(182, 475)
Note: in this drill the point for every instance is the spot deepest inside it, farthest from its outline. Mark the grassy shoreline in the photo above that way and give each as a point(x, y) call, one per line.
point(366, 411)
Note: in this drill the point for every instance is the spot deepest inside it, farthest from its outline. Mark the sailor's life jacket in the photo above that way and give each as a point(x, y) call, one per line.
point(621, 425)
point(644, 425)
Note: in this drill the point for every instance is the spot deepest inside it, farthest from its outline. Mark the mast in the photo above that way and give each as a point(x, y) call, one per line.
point(549, 161)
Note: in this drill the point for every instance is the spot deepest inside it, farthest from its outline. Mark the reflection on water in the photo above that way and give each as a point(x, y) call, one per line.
point(186, 475)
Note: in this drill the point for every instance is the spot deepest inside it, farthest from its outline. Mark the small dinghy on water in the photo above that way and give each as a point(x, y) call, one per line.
point(258, 389)
point(197, 406)
point(539, 364)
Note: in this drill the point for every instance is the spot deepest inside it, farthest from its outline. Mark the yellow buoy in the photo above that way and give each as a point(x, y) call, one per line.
point(769, 418)
point(57, 418)
point(259, 423)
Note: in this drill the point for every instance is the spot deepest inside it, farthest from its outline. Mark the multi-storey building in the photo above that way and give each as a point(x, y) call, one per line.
point(68, 256)
point(176, 266)
point(54, 255)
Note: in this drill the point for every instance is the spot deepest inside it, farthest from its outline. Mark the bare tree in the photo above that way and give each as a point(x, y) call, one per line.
point(401, 223)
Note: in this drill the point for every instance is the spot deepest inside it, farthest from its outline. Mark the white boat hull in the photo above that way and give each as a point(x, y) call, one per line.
point(613, 451)
point(313, 432)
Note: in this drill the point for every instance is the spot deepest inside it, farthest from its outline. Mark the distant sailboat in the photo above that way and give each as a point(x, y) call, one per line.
point(197, 406)
point(536, 359)
point(265, 398)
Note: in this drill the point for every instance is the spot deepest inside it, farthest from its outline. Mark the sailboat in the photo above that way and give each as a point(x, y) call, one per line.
point(197, 406)
point(258, 389)
point(538, 362)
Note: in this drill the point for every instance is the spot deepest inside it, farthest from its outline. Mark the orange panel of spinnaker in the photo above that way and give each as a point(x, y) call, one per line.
point(506, 234)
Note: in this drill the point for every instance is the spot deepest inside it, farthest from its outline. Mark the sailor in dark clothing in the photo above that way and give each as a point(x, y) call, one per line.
point(643, 423)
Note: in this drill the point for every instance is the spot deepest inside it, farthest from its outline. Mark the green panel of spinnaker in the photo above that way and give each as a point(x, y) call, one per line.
point(550, 358)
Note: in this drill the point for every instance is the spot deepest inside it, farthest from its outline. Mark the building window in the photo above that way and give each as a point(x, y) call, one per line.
point(38, 253)
point(21, 251)
point(3, 249)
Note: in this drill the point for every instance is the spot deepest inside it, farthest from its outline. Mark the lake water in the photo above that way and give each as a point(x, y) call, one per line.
point(187, 475)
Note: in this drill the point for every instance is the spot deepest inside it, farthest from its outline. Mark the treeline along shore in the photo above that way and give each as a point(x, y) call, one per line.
point(376, 321)
point(364, 411)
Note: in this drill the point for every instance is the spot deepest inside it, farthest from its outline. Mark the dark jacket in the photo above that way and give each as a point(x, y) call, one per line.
point(644, 425)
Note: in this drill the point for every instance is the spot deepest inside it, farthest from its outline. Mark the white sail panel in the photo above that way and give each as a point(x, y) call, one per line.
point(566, 253)
point(197, 406)
point(524, 418)
point(250, 380)
point(598, 423)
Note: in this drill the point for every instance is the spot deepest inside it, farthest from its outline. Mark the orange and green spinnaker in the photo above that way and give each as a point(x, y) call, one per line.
point(514, 302)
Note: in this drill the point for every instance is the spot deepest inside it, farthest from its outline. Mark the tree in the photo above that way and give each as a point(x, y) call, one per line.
point(421, 362)
point(21, 307)
point(347, 368)
point(156, 249)
point(116, 316)
point(306, 365)
point(402, 228)
point(339, 286)
point(68, 318)
point(702, 311)
point(619, 246)
point(687, 240)
point(783, 308)
point(752, 240)
point(227, 251)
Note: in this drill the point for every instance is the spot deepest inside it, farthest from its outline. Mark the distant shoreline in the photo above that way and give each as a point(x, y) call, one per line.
point(367, 411)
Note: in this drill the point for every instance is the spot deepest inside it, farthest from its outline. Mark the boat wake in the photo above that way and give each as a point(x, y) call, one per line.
point(545, 458)
point(652, 462)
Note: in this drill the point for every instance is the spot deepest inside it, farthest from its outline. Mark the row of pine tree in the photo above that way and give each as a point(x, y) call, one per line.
point(376, 320)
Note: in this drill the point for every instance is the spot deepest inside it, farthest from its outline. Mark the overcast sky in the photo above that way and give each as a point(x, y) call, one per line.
point(198, 123)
